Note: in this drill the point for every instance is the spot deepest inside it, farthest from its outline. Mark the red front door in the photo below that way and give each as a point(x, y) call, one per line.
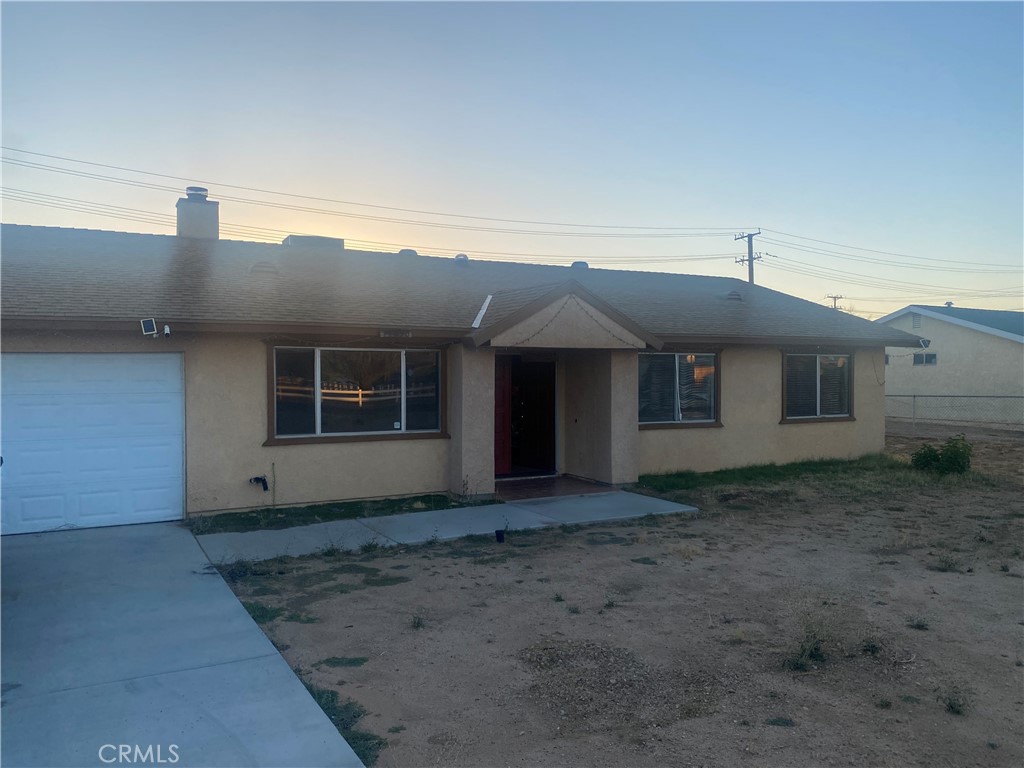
point(502, 415)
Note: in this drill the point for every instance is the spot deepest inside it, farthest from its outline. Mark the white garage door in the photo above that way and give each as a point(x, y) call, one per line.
point(90, 440)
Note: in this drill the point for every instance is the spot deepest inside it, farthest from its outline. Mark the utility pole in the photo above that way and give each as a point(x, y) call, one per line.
point(751, 256)
point(835, 298)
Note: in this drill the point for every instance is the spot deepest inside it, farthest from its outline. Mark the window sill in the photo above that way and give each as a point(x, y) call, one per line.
point(680, 425)
point(816, 419)
point(315, 440)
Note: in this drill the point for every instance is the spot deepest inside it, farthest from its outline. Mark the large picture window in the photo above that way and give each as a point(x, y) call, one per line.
point(678, 388)
point(321, 391)
point(817, 386)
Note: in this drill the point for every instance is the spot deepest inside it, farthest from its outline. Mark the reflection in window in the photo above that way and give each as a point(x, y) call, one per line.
point(677, 387)
point(360, 391)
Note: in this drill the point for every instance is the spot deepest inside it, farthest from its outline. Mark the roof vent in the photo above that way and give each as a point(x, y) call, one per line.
point(734, 296)
point(462, 258)
point(580, 265)
point(407, 252)
point(949, 304)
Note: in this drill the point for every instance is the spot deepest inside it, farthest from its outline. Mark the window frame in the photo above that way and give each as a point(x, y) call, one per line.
point(850, 356)
point(693, 423)
point(352, 437)
point(924, 358)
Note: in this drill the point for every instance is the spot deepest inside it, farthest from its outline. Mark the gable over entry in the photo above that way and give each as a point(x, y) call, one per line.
point(566, 316)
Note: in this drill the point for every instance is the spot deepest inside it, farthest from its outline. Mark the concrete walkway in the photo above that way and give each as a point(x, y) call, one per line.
point(440, 525)
point(128, 636)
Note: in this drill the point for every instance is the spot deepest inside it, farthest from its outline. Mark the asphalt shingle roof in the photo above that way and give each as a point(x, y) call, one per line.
point(50, 272)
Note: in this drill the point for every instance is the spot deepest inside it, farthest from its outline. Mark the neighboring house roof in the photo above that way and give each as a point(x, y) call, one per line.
point(997, 322)
point(52, 273)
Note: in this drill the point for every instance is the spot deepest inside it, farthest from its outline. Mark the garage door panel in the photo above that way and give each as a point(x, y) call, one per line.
point(45, 509)
point(75, 455)
point(70, 417)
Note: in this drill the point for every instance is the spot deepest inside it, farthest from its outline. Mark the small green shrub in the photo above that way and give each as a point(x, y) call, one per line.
point(417, 622)
point(954, 457)
point(926, 457)
point(956, 698)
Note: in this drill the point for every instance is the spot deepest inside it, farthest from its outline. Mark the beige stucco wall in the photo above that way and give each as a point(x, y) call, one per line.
point(751, 408)
point(968, 362)
point(599, 421)
point(471, 421)
point(568, 322)
point(226, 425)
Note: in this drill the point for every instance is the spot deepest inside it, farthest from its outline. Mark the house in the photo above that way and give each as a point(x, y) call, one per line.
point(146, 377)
point(972, 370)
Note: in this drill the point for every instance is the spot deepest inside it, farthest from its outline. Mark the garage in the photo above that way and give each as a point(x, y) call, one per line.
point(90, 440)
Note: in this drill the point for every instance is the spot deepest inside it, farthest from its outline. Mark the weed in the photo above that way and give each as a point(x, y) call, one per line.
point(956, 698)
point(345, 661)
point(371, 547)
point(558, 597)
point(238, 570)
point(871, 647)
point(344, 716)
point(331, 550)
point(262, 614)
point(396, 729)
point(609, 603)
point(884, 704)
point(947, 563)
point(644, 561)
point(918, 622)
point(910, 699)
point(1004, 567)
point(574, 609)
point(570, 528)
point(300, 618)
point(782, 722)
point(384, 581)
point(365, 570)
point(417, 622)
point(764, 474)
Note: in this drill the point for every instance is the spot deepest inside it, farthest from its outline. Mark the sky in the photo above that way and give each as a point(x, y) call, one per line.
point(879, 147)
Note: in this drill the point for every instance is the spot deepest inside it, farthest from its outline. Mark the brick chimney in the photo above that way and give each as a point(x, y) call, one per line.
point(197, 216)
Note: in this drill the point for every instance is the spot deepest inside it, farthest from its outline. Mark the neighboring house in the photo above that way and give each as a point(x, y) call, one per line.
point(971, 371)
point(337, 374)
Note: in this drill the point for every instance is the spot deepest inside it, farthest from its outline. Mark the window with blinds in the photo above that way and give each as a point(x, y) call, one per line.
point(817, 386)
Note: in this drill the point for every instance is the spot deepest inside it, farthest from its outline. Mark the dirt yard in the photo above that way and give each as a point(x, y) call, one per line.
point(869, 617)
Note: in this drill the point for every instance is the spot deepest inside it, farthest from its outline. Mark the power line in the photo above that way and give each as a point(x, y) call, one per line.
point(869, 260)
point(365, 217)
point(894, 285)
point(350, 202)
point(858, 248)
point(274, 235)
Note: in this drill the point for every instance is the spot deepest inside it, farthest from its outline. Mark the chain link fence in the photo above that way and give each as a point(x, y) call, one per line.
point(1003, 412)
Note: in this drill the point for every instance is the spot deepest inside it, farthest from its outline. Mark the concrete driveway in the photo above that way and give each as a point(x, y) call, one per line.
point(127, 636)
